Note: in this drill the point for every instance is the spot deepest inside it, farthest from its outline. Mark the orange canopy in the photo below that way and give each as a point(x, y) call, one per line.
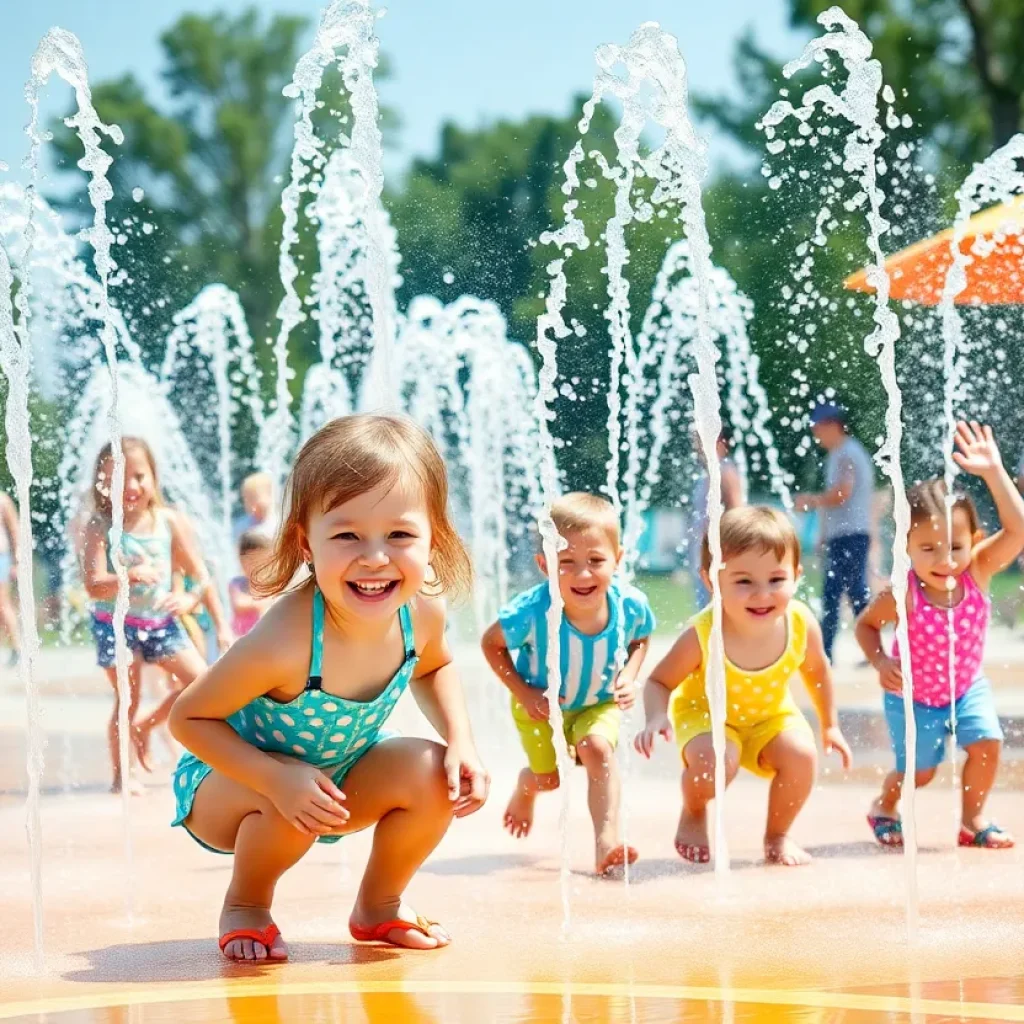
point(995, 270)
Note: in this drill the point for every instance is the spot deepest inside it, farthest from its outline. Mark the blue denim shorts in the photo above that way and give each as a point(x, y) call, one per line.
point(976, 720)
point(155, 642)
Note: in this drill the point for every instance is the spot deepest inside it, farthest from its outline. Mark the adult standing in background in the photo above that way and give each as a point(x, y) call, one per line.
point(845, 508)
point(732, 496)
point(8, 570)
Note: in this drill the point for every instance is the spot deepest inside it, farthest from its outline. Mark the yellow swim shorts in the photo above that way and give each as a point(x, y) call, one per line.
point(537, 738)
point(690, 721)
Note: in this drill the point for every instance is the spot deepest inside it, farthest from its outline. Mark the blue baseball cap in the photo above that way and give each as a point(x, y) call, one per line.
point(827, 412)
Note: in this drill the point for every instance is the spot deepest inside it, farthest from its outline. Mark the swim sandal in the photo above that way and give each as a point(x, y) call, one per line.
point(982, 836)
point(888, 831)
point(617, 858)
point(379, 933)
point(265, 936)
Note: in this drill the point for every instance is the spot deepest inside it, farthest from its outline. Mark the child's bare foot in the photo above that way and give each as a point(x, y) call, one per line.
point(782, 850)
point(256, 920)
point(611, 858)
point(366, 923)
point(519, 813)
point(692, 842)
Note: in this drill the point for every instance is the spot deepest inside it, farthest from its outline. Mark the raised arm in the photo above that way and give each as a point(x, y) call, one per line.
point(817, 675)
point(439, 694)
point(978, 454)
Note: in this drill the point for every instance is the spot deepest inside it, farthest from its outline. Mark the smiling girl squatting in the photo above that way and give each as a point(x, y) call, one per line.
point(285, 734)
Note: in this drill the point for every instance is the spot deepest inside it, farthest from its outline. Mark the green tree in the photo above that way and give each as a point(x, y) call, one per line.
point(212, 162)
point(953, 67)
point(954, 63)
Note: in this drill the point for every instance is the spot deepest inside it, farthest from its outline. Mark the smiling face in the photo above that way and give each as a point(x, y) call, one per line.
point(139, 482)
point(585, 569)
point(937, 562)
point(371, 553)
point(756, 587)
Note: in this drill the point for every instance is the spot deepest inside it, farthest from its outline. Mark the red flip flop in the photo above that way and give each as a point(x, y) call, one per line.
point(265, 936)
point(379, 933)
point(617, 858)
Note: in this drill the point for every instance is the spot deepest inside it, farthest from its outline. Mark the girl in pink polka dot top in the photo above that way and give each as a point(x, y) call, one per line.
point(947, 593)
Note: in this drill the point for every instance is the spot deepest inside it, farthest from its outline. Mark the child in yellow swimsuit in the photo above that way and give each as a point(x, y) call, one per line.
point(768, 638)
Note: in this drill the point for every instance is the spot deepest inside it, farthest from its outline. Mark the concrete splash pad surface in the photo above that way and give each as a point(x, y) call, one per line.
point(823, 943)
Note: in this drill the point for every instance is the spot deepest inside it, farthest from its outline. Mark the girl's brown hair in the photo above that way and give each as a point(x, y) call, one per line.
point(348, 457)
point(928, 501)
point(102, 500)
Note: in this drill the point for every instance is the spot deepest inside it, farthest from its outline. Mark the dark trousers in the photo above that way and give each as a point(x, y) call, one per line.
point(846, 571)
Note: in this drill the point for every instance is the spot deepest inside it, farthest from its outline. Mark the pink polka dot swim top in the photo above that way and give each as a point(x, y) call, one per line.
point(928, 625)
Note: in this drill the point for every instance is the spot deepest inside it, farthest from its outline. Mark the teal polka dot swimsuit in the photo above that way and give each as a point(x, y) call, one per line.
point(319, 728)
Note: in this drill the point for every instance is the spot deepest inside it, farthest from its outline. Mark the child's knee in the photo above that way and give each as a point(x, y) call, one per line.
point(985, 750)
point(429, 779)
point(595, 752)
point(796, 757)
point(699, 757)
point(924, 775)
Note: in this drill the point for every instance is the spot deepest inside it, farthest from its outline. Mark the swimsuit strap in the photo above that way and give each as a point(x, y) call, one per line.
point(408, 639)
point(316, 658)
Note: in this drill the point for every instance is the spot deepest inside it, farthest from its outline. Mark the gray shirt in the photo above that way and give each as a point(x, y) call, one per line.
point(850, 459)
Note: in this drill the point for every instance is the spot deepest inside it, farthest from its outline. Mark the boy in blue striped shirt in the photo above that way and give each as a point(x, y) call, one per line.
point(602, 619)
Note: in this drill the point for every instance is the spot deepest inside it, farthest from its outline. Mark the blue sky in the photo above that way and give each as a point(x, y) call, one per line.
point(462, 60)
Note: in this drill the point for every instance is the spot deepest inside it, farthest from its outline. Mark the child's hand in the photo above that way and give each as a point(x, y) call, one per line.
point(890, 675)
point(308, 800)
point(659, 726)
point(225, 638)
point(468, 781)
point(625, 693)
point(832, 739)
point(535, 704)
point(177, 604)
point(145, 573)
point(979, 453)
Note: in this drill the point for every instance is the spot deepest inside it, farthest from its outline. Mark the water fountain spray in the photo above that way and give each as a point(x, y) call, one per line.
point(857, 103)
point(346, 25)
point(60, 52)
point(16, 365)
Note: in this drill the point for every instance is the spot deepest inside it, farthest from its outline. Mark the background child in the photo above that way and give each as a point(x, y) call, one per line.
point(768, 637)
point(591, 693)
point(295, 709)
point(948, 573)
point(154, 544)
point(258, 502)
point(254, 549)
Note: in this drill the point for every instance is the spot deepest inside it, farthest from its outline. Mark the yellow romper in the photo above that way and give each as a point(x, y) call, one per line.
point(759, 704)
